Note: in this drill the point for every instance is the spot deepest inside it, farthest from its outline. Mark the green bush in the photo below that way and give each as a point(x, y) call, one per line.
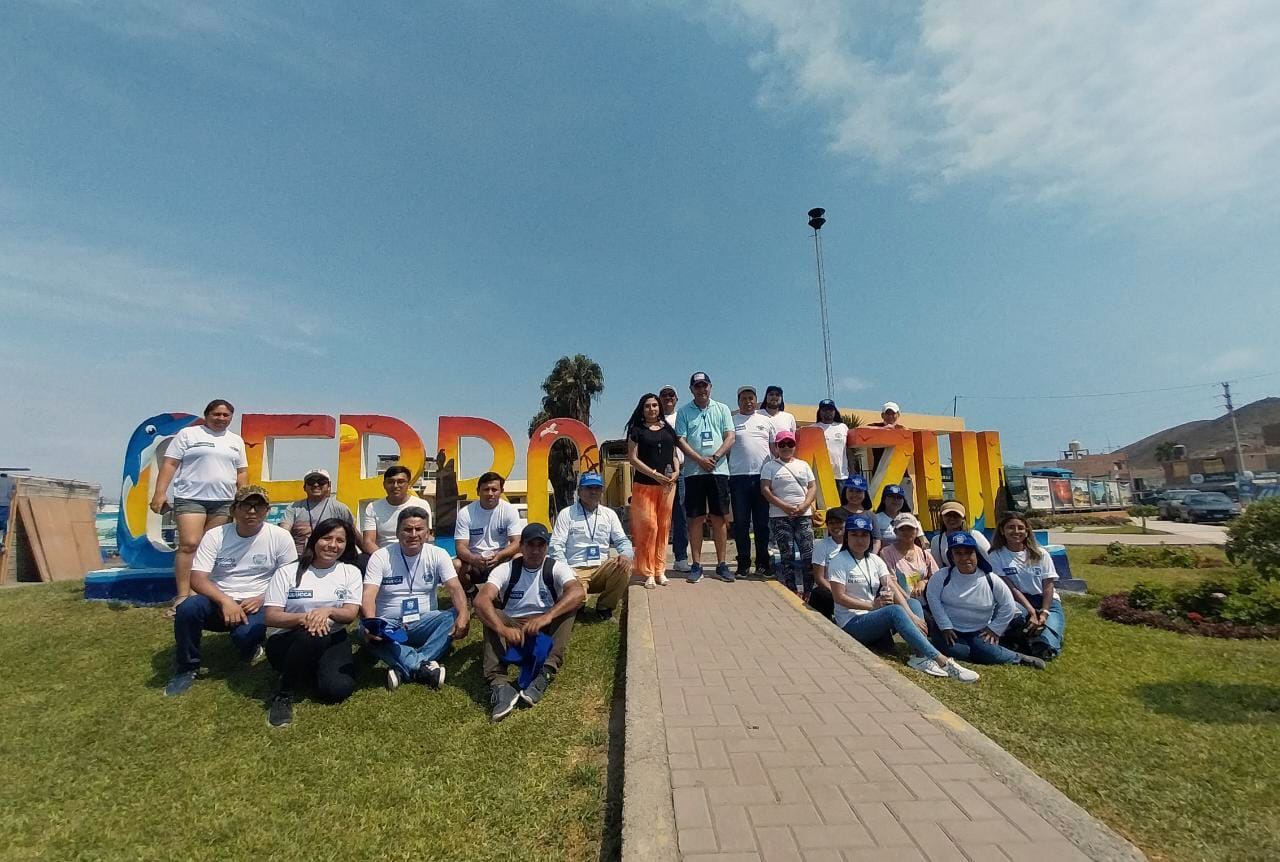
point(1254, 538)
point(1245, 599)
point(1047, 521)
point(1152, 557)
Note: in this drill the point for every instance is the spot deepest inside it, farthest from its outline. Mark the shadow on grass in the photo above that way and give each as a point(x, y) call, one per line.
point(611, 833)
point(1214, 703)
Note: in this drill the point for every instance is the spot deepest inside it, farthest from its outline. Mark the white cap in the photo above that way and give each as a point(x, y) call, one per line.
point(317, 471)
point(905, 519)
point(890, 405)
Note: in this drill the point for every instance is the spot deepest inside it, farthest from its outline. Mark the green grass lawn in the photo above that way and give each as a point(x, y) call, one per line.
point(1173, 740)
point(99, 765)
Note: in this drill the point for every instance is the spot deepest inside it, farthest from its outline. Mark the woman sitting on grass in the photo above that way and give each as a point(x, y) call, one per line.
point(907, 557)
point(870, 606)
point(971, 609)
point(1029, 573)
point(823, 553)
point(312, 603)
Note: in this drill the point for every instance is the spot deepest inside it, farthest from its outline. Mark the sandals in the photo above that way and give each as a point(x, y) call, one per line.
point(662, 580)
point(649, 583)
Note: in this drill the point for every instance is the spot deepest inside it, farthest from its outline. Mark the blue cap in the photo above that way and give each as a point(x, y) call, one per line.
point(894, 489)
point(859, 523)
point(385, 629)
point(590, 480)
point(961, 540)
point(826, 402)
point(856, 482)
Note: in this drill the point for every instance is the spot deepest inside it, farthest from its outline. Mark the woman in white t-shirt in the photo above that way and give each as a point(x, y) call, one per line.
point(1028, 571)
point(205, 465)
point(855, 498)
point(310, 604)
point(789, 485)
point(823, 553)
point(893, 502)
point(836, 434)
point(870, 606)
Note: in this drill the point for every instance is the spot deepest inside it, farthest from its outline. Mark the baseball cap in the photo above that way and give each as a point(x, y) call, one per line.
point(742, 389)
point(784, 435)
point(667, 386)
point(906, 519)
point(317, 471)
point(894, 489)
point(248, 491)
point(952, 506)
point(533, 532)
point(700, 377)
point(961, 540)
point(590, 480)
point(385, 629)
point(890, 405)
point(827, 402)
point(856, 482)
point(859, 523)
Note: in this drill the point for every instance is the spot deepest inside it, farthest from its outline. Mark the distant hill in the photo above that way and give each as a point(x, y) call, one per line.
point(1206, 437)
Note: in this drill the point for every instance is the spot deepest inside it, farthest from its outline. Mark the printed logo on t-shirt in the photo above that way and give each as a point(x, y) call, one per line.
point(200, 444)
point(300, 594)
point(517, 595)
point(477, 531)
point(225, 562)
point(393, 579)
point(1010, 572)
point(259, 559)
point(342, 594)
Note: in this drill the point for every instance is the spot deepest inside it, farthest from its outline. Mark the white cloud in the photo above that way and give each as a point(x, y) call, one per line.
point(852, 384)
point(120, 290)
point(1131, 107)
point(1235, 359)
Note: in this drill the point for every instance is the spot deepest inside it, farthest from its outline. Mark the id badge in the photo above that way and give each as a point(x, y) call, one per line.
point(593, 553)
point(409, 611)
point(706, 436)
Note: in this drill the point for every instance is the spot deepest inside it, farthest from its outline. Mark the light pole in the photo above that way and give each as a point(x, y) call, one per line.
point(816, 221)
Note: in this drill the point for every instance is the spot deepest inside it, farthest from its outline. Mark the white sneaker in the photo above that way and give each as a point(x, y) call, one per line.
point(926, 665)
point(959, 673)
point(682, 566)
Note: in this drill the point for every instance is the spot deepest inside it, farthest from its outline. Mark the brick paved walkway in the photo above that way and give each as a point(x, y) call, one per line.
point(783, 747)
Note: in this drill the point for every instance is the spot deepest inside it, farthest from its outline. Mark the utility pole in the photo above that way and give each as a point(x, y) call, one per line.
point(816, 221)
point(1241, 483)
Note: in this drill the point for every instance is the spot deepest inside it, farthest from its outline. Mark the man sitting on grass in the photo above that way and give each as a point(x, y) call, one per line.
point(229, 578)
point(583, 534)
point(531, 595)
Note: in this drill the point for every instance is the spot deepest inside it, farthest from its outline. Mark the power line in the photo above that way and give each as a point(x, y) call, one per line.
point(1114, 394)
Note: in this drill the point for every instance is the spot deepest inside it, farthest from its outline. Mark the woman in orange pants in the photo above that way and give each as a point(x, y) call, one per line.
point(651, 449)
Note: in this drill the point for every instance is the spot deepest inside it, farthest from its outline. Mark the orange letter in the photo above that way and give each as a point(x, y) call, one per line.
point(893, 465)
point(354, 487)
point(261, 431)
point(966, 473)
point(811, 446)
point(991, 468)
point(927, 481)
point(540, 451)
point(449, 439)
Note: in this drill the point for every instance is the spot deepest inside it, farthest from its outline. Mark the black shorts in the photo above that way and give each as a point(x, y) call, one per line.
point(706, 493)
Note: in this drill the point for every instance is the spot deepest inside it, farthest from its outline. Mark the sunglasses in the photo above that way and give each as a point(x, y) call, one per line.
point(786, 444)
point(254, 507)
point(316, 483)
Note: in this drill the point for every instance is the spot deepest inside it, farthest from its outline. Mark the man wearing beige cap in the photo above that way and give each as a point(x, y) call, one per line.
point(300, 518)
point(229, 578)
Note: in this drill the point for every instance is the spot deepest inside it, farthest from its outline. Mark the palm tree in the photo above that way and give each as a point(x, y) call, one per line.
point(1164, 450)
point(574, 382)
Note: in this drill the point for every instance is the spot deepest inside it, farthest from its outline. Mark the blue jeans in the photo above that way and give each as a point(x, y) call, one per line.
point(873, 625)
point(750, 513)
point(970, 646)
point(1051, 636)
point(198, 614)
point(428, 640)
point(679, 524)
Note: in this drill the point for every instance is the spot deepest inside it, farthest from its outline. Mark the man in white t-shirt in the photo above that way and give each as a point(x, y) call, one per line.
point(403, 623)
point(530, 595)
point(789, 485)
point(379, 518)
point(668, 398)
point(753, 433)
point(776, 409)
point(836, 433)
point(300, 518)
point(582, 537)
point(229, 578)
point(486, 533)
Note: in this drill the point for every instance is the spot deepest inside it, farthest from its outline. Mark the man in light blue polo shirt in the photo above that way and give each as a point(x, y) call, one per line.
point(704, 429)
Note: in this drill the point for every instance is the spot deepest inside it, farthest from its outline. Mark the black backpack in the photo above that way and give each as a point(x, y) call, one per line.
point(517, 568)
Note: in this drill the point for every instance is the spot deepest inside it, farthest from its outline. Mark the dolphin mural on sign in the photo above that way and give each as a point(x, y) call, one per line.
point(138, 529)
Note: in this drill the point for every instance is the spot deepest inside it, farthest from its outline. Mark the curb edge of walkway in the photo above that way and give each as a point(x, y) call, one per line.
point(1089, 834)
point(648, 813)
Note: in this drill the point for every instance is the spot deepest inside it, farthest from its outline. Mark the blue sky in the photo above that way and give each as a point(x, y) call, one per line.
point(415, 210)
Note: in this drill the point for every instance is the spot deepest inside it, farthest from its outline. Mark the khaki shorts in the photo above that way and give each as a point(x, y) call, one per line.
point(208, 508)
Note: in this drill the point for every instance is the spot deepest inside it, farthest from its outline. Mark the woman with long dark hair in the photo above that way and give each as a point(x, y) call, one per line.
point(893, 502)
point(311, 604)
point(205, 463)
point(1029, 573)
point(651, 449)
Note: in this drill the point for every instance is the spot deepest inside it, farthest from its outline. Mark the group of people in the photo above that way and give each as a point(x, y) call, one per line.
point(300, 593)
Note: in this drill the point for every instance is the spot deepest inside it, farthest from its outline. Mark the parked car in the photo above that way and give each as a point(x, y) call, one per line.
point(1208, 507)
point(1171, 498)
